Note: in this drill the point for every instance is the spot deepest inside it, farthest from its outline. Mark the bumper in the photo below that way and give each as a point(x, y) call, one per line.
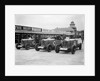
point(20, 46)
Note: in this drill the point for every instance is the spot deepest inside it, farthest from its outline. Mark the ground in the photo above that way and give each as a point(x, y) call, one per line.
point(42, 57)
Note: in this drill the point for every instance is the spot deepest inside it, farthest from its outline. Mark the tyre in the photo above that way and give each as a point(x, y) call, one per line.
point(36, 47)
point(49, 48)
point(80, 46)
point(27, 47)
point(73, 50)
point(57, 49)
point(17, 46)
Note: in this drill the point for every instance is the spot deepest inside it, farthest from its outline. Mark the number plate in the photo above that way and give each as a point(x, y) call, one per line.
point(40, 47)
point(63, 48)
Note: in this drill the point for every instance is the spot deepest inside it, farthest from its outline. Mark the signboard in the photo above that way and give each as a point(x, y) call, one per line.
point(27, 28)
point(18, 27)
point(37, 29)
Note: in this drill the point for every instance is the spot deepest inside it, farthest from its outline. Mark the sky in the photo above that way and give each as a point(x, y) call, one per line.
point(50, 21)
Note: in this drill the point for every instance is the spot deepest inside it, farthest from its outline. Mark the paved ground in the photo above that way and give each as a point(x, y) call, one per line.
point(32, 57)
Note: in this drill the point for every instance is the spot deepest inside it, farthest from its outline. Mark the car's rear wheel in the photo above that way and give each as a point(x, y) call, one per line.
point(27, 47)
point(49, 48)
point(73, 49)
point(57, 49)
point(36, 47)
point(17, 46)
point(80, 46)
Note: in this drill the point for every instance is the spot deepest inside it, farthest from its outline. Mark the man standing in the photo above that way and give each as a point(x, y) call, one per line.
point(37, 38)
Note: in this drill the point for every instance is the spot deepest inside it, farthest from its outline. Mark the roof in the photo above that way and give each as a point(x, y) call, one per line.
point(69, 29)
point(58, 33)
point(28, 26)
point(64, 29)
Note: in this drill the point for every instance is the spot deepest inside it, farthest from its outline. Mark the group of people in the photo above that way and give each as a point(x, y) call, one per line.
point(38, 38)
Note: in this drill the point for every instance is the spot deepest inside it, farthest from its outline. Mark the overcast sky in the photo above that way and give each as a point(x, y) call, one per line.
point(50, 21)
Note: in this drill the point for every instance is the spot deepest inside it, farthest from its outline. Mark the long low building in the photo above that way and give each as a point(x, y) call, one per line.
point(22, 32)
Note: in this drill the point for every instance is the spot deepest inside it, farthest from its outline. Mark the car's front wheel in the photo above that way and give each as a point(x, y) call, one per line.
point(57, 49)
point(17, 46)
point(27, 47)
point(49, 48)
point(36, 47)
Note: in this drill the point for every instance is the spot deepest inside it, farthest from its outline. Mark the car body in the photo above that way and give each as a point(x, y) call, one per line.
point(68, 45)
point(26, 43)
point(46, 44)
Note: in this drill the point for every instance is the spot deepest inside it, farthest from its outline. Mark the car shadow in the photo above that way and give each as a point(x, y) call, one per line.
point(25, 49)
point(64, 52)
point(42, 50)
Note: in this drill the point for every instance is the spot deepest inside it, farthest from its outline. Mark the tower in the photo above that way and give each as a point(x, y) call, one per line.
point(72, 25)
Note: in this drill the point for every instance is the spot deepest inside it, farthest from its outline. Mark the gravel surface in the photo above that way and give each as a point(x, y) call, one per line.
point(42, 57)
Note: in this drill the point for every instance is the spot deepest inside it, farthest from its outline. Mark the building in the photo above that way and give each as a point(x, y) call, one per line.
point(71, 29)
point(22, 32)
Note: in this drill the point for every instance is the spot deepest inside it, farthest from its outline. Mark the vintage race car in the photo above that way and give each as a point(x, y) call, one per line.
point(45, 44)
point(26, 43)
point(68, 45)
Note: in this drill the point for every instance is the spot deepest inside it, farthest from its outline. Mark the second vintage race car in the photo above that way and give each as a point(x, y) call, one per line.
point(45, 44)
